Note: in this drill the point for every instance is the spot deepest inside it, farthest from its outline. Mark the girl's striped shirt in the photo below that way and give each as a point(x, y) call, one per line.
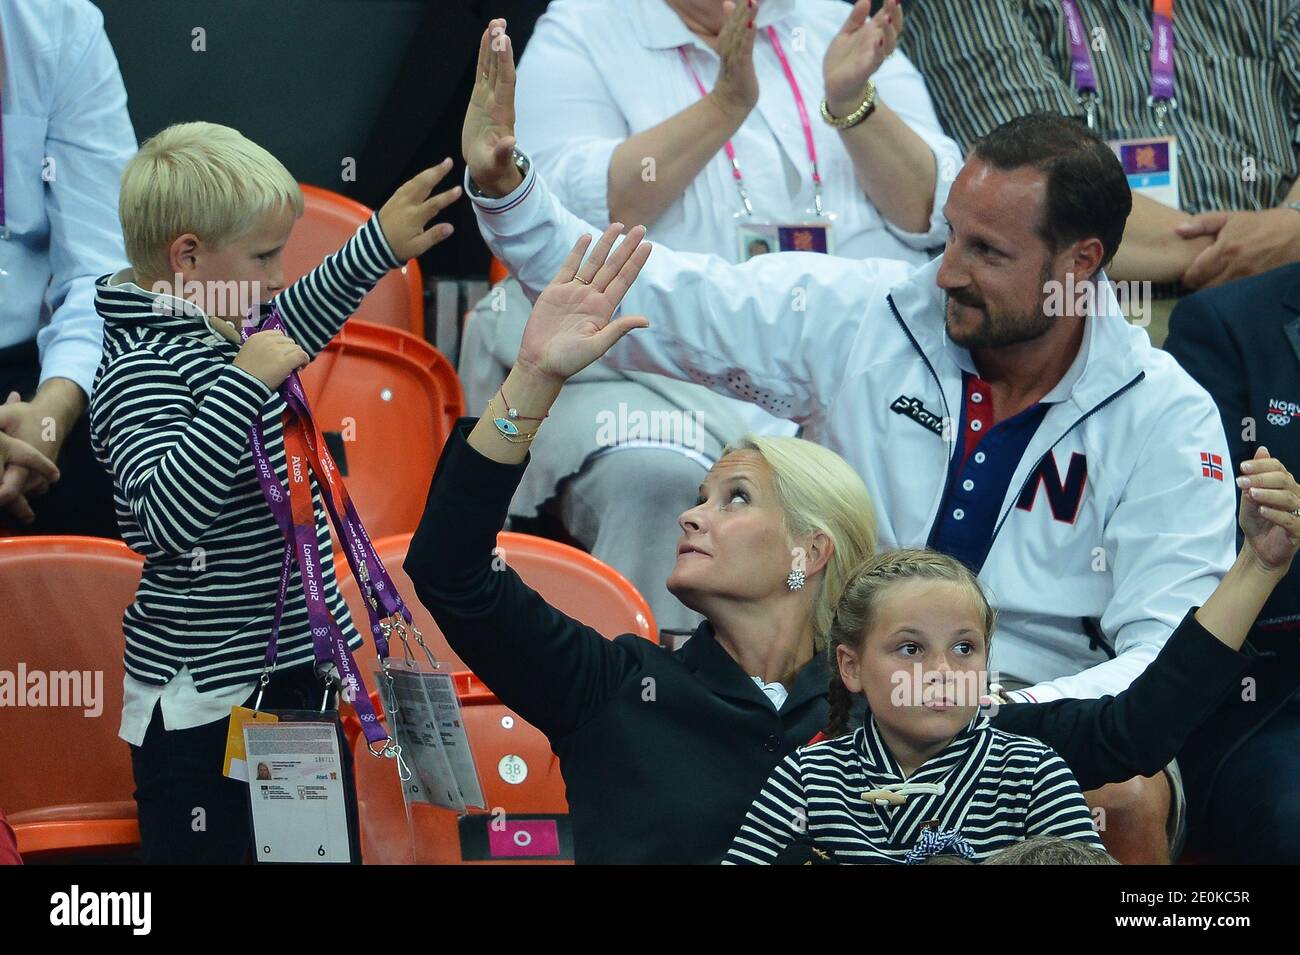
point(998, 789)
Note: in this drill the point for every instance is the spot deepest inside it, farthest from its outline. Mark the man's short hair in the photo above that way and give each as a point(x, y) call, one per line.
point(202, 178)
point(1051, 850)
point(1087, 192)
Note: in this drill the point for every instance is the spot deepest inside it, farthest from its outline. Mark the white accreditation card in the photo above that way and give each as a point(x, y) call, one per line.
point(414, 721)
point(296, 791)
point(441, 690)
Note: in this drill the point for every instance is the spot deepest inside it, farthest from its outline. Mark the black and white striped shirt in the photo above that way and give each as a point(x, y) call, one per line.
point(998, 789)
point(169, 420)
point(1237, 82)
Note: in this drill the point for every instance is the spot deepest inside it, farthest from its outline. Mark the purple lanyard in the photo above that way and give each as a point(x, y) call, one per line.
point(1162, 59)
point(328, 643)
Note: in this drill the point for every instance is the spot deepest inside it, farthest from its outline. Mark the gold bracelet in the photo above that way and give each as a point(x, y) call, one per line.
point(867, 107)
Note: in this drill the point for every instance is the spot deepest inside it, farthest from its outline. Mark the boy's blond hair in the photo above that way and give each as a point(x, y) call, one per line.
point(202, 178)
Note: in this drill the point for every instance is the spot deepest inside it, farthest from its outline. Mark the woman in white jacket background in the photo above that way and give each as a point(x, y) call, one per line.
point(706, 121)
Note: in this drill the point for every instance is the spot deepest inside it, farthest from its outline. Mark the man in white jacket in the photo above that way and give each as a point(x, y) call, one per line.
point(996, 402)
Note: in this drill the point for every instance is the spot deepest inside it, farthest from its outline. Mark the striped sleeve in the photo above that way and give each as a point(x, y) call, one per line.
point(1289, 55)
point(985, 65)
point(1057, 806)
point(315, 307)
point(777, 818)
point(174, 461)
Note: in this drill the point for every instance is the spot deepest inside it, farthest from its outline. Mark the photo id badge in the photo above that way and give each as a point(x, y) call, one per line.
point(1151, 166)
point(755, 237)
point(297, 790)
point(414, 721)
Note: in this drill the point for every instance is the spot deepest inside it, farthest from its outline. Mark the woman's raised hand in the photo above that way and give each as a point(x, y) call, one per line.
point(1270, 505)
point(736, 89)
point(857, 52)
point(570, 326)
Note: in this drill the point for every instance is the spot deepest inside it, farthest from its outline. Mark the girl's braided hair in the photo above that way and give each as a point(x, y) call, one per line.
point(855, 611)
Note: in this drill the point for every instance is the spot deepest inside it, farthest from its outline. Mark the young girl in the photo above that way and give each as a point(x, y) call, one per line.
point(926, 773)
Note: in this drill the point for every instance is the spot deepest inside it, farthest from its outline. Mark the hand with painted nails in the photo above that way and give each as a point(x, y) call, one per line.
point(857, 52)
point(1270, 511)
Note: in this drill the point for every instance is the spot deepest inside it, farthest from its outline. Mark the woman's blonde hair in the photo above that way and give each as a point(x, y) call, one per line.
point(855, 614)
point(818, 491)
point(202, 178)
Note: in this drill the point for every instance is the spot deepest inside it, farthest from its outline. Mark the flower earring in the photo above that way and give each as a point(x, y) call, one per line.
point(795, 579)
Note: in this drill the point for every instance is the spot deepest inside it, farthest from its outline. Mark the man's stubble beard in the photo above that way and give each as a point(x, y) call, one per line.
point(998, 330)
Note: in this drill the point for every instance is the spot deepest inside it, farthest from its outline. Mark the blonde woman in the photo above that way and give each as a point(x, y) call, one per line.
point(663, 751)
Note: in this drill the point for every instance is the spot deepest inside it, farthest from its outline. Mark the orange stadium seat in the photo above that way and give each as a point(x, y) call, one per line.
point(65, 777)
point(533, 808)
point(328, 221)
point(386, 402)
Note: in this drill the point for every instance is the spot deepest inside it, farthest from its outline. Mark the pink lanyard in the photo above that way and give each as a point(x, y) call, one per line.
point(803, 120)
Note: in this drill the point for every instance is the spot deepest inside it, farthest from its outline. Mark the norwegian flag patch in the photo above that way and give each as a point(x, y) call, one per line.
point(1212, 465)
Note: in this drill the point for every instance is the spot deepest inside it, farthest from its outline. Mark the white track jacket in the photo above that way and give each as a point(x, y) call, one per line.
point(855, 351)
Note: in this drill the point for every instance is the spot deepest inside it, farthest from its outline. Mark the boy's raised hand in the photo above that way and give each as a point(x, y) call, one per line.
point(488, 136)
point(405, 215)
point(270, 357)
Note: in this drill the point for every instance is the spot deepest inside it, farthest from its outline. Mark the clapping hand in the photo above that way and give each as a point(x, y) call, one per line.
point(857, 51)
point(736, 90)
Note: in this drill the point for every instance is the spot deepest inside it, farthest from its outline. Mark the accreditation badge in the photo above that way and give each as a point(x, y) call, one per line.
point(424, 710)
point(297, 789)
point(1151, 166)
point(756, 237)
point(414, 722)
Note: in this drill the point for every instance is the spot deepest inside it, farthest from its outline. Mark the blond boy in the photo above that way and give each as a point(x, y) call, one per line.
point(206, 214)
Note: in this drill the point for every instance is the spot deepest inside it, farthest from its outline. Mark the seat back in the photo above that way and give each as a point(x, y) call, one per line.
point(527, 816)
point(573, 581)
point(386, 402)
point(61, 648)
point(328, 221)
